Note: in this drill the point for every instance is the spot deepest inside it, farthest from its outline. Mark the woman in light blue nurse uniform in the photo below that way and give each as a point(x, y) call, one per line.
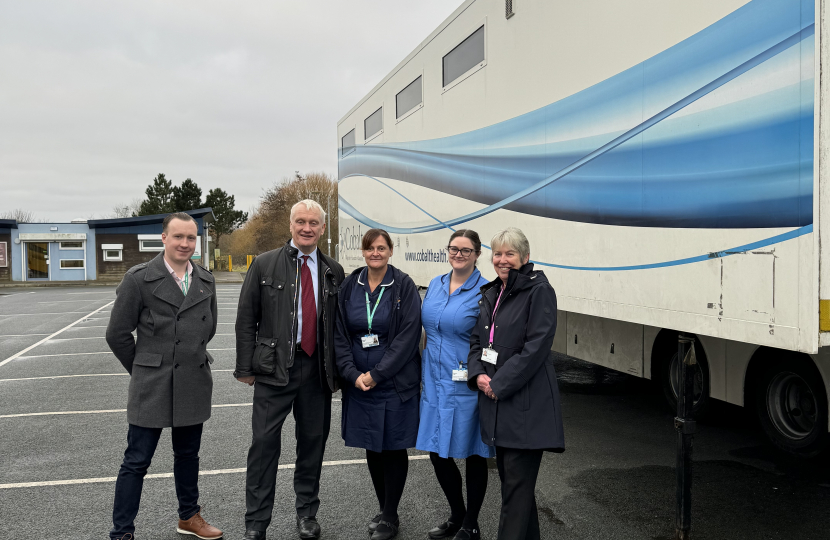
point(449, 409)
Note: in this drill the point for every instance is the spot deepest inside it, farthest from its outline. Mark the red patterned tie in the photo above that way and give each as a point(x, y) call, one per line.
point(309, 337)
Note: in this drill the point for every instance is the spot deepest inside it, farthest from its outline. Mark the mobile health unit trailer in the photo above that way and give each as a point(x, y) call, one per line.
point(664, 160)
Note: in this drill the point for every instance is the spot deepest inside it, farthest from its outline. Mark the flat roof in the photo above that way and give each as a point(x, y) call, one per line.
point(8, 223)
point(205, 213)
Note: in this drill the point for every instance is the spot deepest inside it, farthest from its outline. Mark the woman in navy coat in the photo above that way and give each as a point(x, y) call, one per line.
point(449, 409)
point(510, 365)
point(378, 327)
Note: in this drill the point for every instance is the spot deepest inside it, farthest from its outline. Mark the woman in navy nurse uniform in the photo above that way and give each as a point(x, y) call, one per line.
point(449, 409)
point(376, 341)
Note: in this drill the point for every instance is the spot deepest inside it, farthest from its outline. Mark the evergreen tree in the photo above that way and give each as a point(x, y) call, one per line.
point(159, 197)
point(227, 219)
point(187, 196)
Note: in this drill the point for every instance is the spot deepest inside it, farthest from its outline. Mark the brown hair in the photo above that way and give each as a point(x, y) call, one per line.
point(177, 215)
point(469, 234)
point(372, 235)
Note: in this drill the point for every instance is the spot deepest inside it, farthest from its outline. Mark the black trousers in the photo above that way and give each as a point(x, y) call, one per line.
point(141, 446)
point(518, 470)
point(311, 403)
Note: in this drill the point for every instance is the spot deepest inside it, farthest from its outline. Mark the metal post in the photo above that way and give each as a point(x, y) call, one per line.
point(328, 225)
point(685, 426)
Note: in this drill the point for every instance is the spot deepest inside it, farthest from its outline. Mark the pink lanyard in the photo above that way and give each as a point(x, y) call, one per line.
point(493, 318)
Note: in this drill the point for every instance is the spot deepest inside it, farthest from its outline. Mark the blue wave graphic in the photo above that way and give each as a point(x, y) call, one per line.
point(724, 144)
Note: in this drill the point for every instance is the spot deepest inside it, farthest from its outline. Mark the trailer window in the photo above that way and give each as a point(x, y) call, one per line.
point(409, 98)
point(347, 143)
point(373, 124)
point(467, 55)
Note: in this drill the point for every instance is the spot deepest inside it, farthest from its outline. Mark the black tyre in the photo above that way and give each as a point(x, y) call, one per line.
point(670, 379)
point(791, 404)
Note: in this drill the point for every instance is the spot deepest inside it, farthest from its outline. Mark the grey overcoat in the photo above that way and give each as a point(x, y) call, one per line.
point(168, 362)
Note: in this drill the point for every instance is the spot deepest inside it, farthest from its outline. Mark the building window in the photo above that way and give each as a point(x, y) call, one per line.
point(150, 245)
point(113, 255)
point(347, 143)
point(409, 98)
point(67, 264)
point(465, 56)
point(72, 245)
point(373, 124)
point(508, 9)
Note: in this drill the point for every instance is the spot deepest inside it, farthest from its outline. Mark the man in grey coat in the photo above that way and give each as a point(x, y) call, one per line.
point(171, 304)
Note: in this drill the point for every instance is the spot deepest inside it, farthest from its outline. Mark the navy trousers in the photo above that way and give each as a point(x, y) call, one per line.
point(141, 445)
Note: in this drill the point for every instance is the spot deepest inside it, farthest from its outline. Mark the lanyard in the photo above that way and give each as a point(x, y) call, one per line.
point(371, 314)
point(493, 318)
point(185, 283)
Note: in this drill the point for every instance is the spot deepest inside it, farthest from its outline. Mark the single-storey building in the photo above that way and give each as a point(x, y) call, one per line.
point(87, 250)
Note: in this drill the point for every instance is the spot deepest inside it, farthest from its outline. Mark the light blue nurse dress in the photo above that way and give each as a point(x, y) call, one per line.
point(449, 410)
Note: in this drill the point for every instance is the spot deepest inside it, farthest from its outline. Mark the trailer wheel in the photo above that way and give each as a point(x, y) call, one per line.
point(792, 406)
point(670, 380)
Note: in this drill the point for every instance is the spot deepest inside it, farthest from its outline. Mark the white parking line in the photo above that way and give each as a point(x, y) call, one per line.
point(109, 479)
point(61, 354)
point(30, 314)
point(9, 295)
point(74, 338)
point(27, 349)
point(86, 375)
point(104, 411)
point(22, 335)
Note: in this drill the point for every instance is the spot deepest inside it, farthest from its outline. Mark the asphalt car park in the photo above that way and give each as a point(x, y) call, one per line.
point(63, 433)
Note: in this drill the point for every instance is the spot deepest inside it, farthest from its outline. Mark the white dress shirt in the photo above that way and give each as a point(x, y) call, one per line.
point(312, 266)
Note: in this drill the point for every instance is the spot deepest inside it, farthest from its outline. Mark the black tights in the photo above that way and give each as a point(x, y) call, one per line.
point(388, 471)
point(450, 479)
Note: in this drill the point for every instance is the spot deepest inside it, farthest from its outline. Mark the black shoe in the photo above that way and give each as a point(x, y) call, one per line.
point(254, 535)
point(308, 527)
point(444, 530)
point(374, 523)
point(386, 530)
point(468, 534)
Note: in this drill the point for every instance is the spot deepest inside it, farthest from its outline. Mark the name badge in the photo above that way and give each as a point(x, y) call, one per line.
point(489, 355)
point(369, 340)
point(459, 375)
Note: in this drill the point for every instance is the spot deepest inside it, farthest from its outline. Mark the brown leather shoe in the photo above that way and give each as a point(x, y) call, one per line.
point(198, 527)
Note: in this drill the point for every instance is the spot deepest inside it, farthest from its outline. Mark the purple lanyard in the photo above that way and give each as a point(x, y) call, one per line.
point(493, 318)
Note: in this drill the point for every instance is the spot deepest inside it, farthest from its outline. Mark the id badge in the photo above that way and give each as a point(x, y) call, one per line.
point(489, 355)
point(369, 340)
point(459, 375)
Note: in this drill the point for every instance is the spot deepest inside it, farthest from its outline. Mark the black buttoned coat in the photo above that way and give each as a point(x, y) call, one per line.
point(528, 413)
point(170, 379)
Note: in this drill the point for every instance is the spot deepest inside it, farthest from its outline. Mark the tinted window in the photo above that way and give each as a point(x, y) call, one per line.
point(72, 245)
point(468, 54)
point(408, 98)
point(72, 263)
point(374, 123)
point(348, 142)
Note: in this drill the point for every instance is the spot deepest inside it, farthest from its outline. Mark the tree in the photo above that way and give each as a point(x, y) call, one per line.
point(126, 210)
point(159, 197)
point(226, 218)
point(275, 209)
point(20, 215)
point(187, 196)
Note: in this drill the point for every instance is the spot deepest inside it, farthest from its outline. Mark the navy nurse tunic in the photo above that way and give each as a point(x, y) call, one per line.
point(449, 409)
point(376, 420)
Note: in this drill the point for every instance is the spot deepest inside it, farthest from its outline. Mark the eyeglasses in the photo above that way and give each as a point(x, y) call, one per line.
point(464, 251)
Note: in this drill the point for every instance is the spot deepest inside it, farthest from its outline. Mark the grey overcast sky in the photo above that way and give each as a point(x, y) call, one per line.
point(99, 96)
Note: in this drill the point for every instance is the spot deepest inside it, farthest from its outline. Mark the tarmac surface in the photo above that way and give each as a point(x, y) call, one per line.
point(63, 433)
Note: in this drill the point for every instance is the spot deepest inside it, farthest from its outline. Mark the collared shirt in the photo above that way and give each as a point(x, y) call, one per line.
point(312, 266)
point(179, 282)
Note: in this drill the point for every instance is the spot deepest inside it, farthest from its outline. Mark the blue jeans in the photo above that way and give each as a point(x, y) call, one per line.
point(141, 445)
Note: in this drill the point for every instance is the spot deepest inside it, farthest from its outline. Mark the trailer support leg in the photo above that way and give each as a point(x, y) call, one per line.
point(685, 426)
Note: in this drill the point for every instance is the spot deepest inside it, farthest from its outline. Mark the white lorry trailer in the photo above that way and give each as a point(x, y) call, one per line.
point(665, 160)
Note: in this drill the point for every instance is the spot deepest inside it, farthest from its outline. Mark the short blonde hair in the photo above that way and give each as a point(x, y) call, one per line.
point(309, 205)
point(511, 237)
